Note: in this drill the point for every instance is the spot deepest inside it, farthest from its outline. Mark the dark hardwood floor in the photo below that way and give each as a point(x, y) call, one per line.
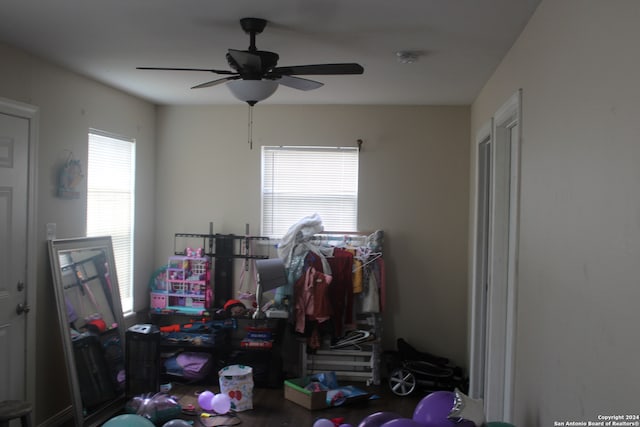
point(271, 409)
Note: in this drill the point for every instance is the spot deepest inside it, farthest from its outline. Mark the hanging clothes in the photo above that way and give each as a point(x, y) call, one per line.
point(341, 289)
point(370, 296)
point(357, 276)
point(312, 298)
point(373, 297)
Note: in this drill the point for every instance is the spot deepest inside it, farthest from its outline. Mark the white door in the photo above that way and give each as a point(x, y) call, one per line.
point(493, 310)
point(17, 320)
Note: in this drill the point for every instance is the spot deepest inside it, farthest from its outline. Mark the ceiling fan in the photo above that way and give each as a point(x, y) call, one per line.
point(256, 76)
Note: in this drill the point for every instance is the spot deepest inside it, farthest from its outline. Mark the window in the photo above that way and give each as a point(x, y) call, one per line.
point(110, 202)
point(300, 181)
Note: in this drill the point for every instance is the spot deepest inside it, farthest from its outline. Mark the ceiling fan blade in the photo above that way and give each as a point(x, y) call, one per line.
point(215, 82)
point(246, 60)
point(299, 83)
point(318, 69)
point(210, 70)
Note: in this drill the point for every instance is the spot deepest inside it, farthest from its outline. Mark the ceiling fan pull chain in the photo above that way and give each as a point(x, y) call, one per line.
point(250, 127)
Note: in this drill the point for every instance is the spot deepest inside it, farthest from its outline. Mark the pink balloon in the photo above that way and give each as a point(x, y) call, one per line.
point(204, 400)
point(378, 418)
point(221, 403)
point(402, 422)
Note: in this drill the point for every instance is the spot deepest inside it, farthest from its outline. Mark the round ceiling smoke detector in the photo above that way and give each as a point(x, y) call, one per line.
point(407, 56)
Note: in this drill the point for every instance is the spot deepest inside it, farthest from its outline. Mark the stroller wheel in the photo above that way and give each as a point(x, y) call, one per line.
point(402, 382)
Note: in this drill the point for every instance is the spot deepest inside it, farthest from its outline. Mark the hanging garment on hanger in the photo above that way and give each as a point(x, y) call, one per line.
point(312, 298)
point(341, 289)
point(382, 280)
point(357, 276)
point(371, 296)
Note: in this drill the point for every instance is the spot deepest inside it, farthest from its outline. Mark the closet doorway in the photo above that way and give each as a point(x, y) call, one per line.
point(494, 275)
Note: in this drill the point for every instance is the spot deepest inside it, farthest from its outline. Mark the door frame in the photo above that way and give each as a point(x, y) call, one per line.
point(30, 113)
point(493, 309)
point(479, 267)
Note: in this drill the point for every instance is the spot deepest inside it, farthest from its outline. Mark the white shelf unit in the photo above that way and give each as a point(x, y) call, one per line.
point(349, 363)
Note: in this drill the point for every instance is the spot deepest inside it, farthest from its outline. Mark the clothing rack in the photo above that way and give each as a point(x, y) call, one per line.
point(360, 362)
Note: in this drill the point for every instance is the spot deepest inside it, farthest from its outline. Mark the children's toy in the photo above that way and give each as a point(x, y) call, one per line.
point(184, 285)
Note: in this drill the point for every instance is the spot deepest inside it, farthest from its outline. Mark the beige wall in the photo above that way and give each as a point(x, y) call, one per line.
point(68, 106)
point(413, 185)
point(577, 336)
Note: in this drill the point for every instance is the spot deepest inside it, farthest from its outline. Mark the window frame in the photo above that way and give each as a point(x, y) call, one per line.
point(341, 167)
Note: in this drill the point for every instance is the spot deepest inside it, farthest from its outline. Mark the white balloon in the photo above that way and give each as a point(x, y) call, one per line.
point(221, 403)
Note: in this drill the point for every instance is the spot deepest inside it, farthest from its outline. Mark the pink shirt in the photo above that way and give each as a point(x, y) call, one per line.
point(312, 298)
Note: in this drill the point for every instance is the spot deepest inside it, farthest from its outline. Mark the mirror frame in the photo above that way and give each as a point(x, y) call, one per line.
point(56, 247)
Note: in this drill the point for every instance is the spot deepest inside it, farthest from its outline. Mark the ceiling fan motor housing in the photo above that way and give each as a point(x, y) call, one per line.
point(252, 65)
point(253, 25)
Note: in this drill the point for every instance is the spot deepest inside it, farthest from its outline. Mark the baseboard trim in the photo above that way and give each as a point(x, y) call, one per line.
point(58, 419)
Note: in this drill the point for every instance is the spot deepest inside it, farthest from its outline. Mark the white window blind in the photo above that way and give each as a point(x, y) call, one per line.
point(300, 181)
point(110, 202)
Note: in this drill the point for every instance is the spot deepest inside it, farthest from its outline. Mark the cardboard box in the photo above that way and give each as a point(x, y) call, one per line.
point(294, 391)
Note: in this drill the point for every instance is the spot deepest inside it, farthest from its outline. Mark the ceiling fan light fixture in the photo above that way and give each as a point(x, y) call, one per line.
point(252, 91)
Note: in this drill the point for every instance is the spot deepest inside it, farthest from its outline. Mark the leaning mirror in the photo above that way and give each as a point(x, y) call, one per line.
point(91, 325)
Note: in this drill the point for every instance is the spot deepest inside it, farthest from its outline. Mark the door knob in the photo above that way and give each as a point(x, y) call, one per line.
point(23, 308)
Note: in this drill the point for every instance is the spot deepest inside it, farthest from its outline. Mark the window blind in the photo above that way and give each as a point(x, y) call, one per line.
point(110, 202)
point(300, 181)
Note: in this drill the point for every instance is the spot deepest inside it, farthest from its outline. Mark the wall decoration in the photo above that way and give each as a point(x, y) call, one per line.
point(69, 177)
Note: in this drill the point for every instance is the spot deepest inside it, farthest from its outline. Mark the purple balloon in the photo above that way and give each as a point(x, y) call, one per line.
point(204, 400)
point(433, 411)
point(402, 422)
point(378, 418)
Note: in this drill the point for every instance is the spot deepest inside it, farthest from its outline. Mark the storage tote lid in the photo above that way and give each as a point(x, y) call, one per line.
point(235, 371)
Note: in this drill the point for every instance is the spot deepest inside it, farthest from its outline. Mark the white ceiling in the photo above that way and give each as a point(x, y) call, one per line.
point(462, 42)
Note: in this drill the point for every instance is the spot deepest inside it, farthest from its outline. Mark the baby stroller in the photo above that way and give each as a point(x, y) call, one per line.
point(415, 369)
